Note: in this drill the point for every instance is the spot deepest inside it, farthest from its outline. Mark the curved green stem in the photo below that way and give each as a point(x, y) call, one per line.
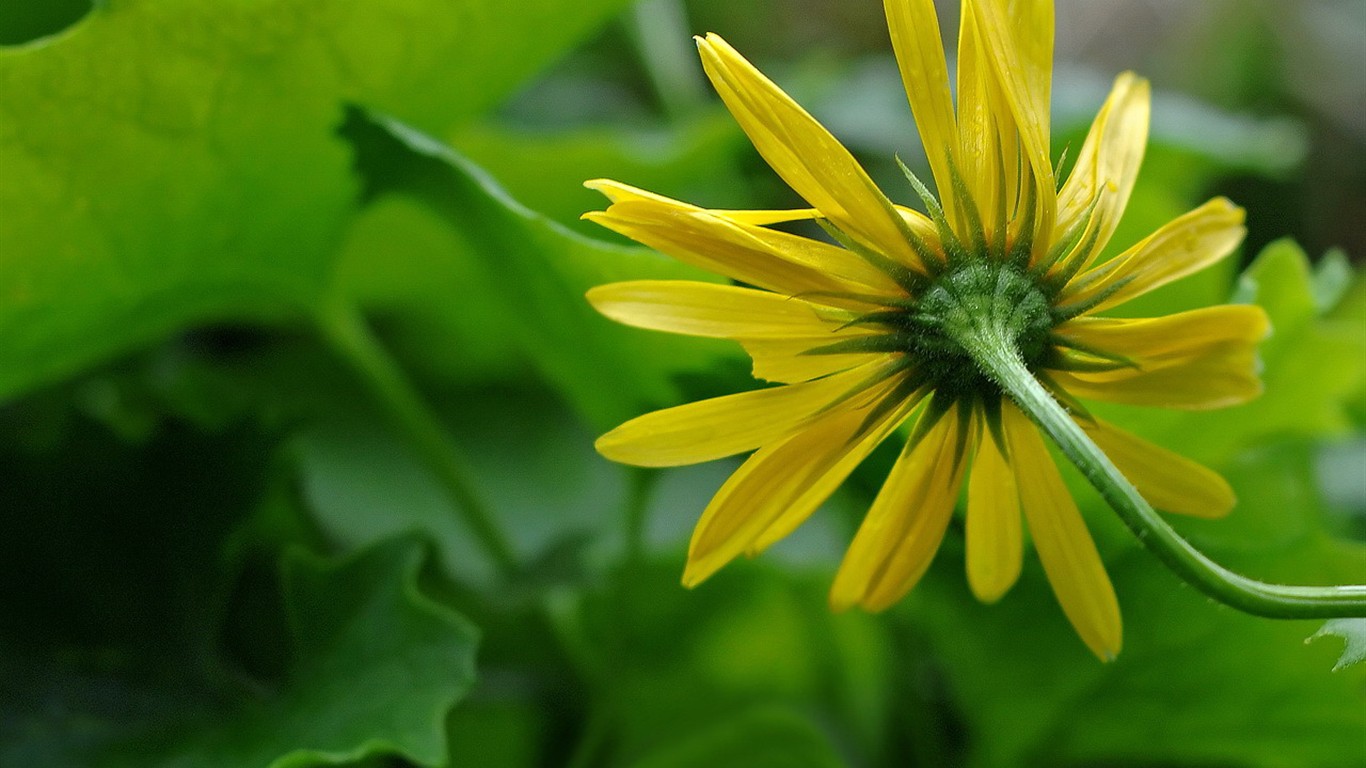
point(993, 351)
point(349, 335)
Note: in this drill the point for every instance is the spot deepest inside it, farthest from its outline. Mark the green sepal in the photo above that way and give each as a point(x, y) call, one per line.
point(1064, 312)
point(954, 246)
point(881, 344)
point(969, 207)
point(908, 279)
point(1024, 244)
point(906, 392)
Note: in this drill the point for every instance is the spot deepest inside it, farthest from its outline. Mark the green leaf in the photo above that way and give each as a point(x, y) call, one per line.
point(764, 737)
point(175, 163)
point(1332, 279)
point(159, 628)
point(418, 277)
point(39, 18)
point(1353, 634)
point(687, 673)
point(377, 667)
point(545, 172)
point(538, 272)
point(533, 463)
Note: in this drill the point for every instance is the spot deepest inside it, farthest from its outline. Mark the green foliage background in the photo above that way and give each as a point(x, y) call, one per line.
point(219, 548)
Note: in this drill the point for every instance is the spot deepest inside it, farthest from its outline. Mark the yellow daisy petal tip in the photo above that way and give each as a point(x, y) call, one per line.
point(596, 293)
point(606, 447)
point(1228, 500)
point(1236, 213)
point(619, 447)
point(699, 570)
point(1107, 644)
point(1262, 322)
point(842, 598)
point(987, 592)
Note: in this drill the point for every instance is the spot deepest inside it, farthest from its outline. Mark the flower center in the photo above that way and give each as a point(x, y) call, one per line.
point(975, 304)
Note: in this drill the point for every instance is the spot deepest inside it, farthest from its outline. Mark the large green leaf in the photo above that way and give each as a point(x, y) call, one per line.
point(377, 667)
point(695, 162)
point(764, 737)
point(158, 628)
point(686, 676)
point(168, 163)
point(362, 484)
point(535, 270)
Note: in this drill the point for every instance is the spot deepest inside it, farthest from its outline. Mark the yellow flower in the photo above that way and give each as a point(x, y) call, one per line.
point(876, 331)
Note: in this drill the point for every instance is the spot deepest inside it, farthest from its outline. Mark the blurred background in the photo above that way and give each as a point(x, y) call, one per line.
point(288, 288)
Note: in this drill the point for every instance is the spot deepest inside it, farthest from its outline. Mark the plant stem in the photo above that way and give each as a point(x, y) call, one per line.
point(352, 338)
point(994, 352)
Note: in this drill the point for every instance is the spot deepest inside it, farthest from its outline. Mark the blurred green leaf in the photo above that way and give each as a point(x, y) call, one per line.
point(362, 484)
point(160, 629)
point(172, 163)
point(766, 737)
point(418, 277)
point(377, 666)
point(1332, 278)
point(28, 20)
point(545, 171)
point(682, 669)
point(538, 271)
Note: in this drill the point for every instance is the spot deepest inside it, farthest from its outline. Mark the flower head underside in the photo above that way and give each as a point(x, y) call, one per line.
point(880, 326)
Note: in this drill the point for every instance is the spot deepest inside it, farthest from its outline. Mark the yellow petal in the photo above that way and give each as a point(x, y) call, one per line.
point(1183, 334)
point(995, 536)
point(904, 527)
point(784, 482)
point(724, 426)
point(1108, 163)
point(788, 361)
point(617, 192)
point(718, 311)
point(765, 218)
point(1204, 358)
point(1184, 245)
point(804, 154)
point(1068, 554)
point(914, 28)
point(1017, 39)
point(919, 223)
point(1170, 482)
point(983, 158)
point(1197, 384)
point(767, 258)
